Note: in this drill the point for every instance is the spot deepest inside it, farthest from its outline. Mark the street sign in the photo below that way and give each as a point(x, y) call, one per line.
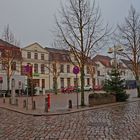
point(28, 70)
point(76, 70)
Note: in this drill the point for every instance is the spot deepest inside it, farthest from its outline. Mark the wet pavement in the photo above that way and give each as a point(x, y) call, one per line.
point(121, 122)
point(58, 103)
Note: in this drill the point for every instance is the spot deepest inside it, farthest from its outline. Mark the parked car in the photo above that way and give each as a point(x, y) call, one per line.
point(68, 89)
point(88, 88)
point(63, 89)
point(98, 87)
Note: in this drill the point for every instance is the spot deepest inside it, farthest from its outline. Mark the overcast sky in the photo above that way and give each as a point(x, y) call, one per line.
point(32, 20)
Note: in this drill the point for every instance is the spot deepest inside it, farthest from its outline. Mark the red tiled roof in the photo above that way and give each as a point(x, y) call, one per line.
point(6, 44)
point(14, 49)
point(105, 60)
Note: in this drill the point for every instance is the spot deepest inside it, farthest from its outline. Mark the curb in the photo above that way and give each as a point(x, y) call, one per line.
point(69, 111)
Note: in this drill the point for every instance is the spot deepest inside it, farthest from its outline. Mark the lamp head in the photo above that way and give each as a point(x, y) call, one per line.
point(120, 49)
point(110, 50)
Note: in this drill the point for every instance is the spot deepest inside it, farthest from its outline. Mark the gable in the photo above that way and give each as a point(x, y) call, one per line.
point(35, 47)
point(125, 64)
point(99, 64)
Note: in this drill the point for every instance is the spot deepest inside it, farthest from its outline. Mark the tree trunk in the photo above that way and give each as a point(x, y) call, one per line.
point(55, 85)
point(93, 82)
point(138, 90)
point(8, 85)
point(138, 85)
point(82, 86)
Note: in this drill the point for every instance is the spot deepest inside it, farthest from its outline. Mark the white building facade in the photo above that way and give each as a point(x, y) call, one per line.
point(36, 56)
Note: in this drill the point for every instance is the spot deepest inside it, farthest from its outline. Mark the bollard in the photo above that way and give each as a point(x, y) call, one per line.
point(4, 100)
point(10, 101)
point(24, 103)
point(70, 103)
point(33, 105)
point(46, 104)
point(49, 101)
point(16, 102)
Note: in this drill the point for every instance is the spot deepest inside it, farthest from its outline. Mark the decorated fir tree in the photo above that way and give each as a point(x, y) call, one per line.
point(115, 85)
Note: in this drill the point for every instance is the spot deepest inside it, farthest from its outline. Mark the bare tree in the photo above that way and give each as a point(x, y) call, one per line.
point(129, 38)
point(81, 31)
point(9, 37)
point(9, 54)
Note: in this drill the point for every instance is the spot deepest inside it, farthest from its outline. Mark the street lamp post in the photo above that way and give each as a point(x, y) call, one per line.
point(49, 77)
point(1, 81)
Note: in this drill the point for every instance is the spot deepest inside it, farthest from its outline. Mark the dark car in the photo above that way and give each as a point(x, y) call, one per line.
point(7, 94)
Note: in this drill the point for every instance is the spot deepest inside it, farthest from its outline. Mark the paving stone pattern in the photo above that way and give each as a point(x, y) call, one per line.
point(110, 123)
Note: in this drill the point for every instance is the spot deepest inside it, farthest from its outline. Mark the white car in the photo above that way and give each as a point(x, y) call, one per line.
point(88, 88)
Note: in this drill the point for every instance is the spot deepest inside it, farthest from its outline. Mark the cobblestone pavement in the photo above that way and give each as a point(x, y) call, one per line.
point(109, 123)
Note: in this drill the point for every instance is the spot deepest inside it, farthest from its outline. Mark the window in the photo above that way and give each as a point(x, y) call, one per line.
point(62, 82)
point(97, 65)
point(42, 69)
point(29, 55)
point(35, 68)
point(61, 68)
point(43, 83)
point(42, 56)
point(122, 73)
point(76, 82)
point(64, 57)
point(68, 68)
point(88, 81)
point(36, 56)
point(75, 58)
point(68, 82)
point(54, 67)
point(36, 82)
point(98, 73)
point(13, 66)
point(88, 70)
point(4, 65)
